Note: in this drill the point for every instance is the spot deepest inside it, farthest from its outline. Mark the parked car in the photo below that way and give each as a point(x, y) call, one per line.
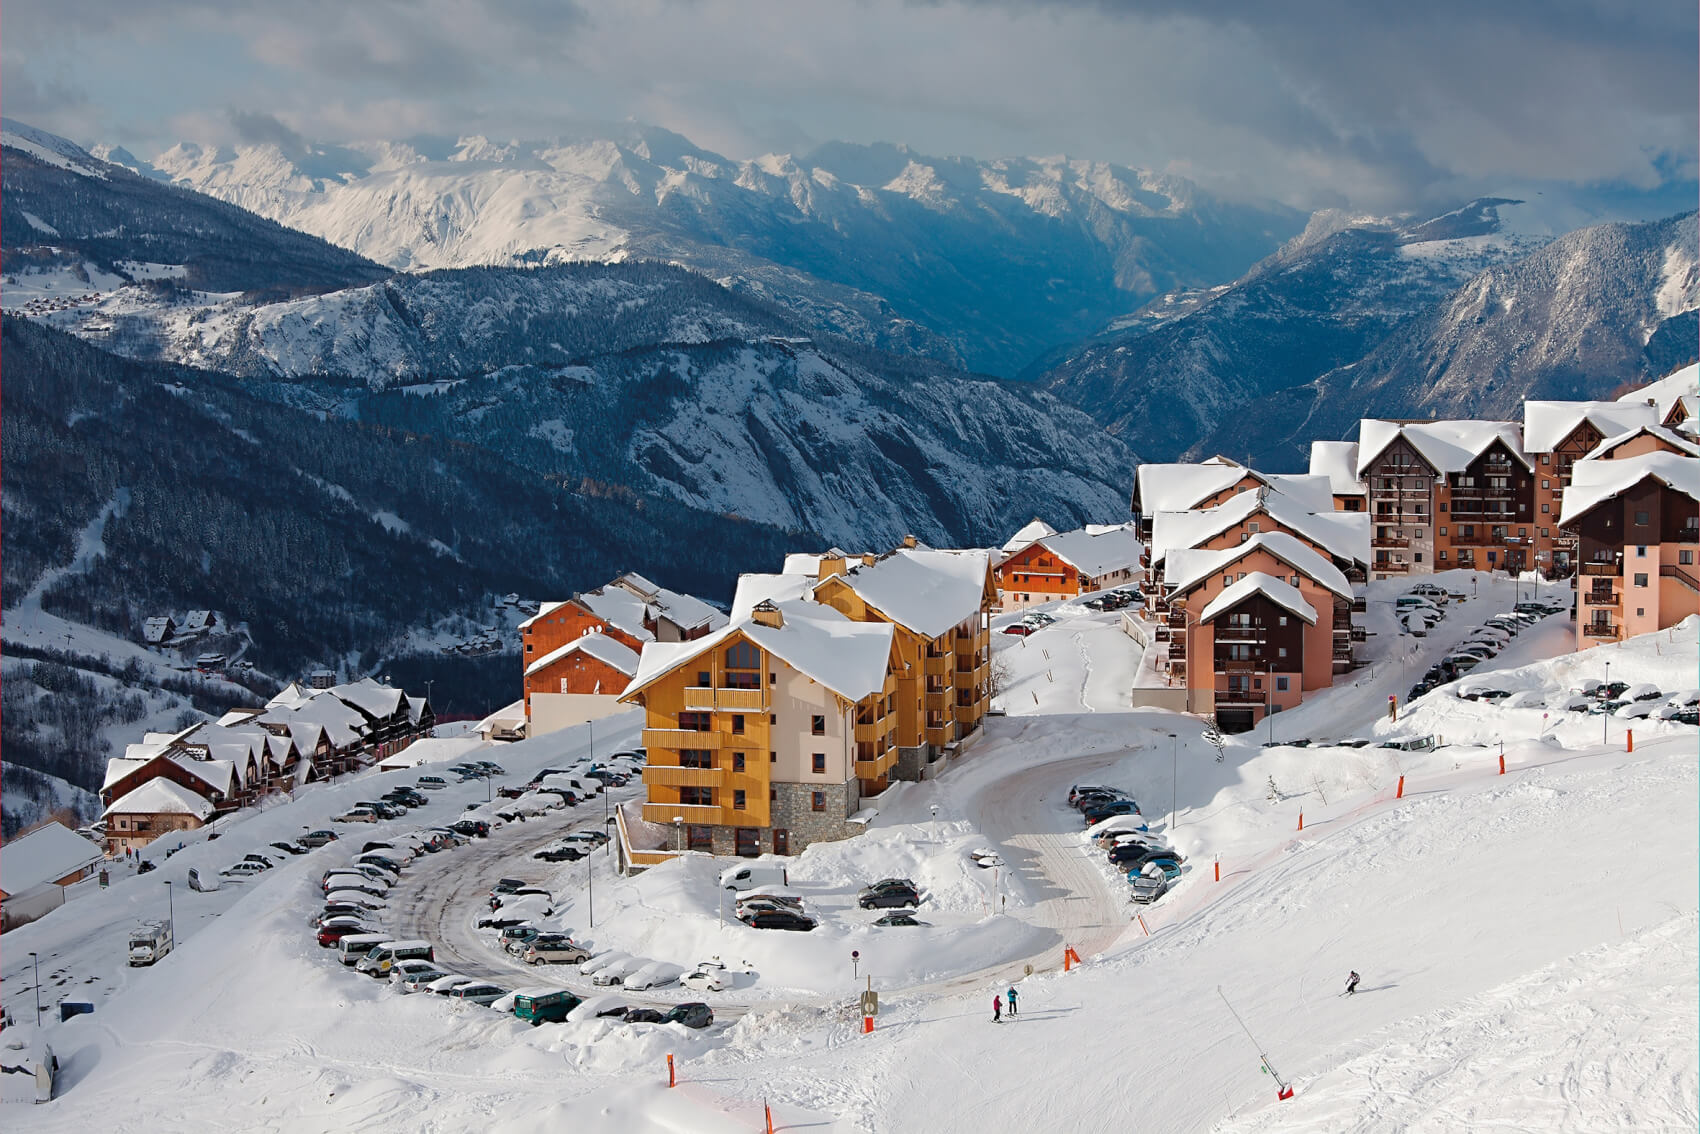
point(894, 919)
point(432, 783)
point(516, 937)
point(508, 886)
point(448, 984)
point(705, 978)
point(1168, 865)
point(516, 914)
point(656, 974)
point(1098, 812)
point(1430, 591)
point(1147, 888)
point(356, 815)
point(537, 1006)
point(778, 919)
point(692, 1014)
point(317, 839)
point(986, 858)
point(641, 1015)
point(1018, 628)
point(472, 828)
point(337, 928)
point(205, 882)
point(478, 992)
point(555, 950)
point(613, 970)
point(492, 767)
point(1643, 693)
point(559, 853)
point(419, 980)
point(1635, 710)
point(289, 848)
point(382, 862)
point(242, 869)
point(416, 968)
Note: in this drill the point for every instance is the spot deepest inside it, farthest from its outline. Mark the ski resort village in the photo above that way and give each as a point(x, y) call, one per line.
point(1362, 798)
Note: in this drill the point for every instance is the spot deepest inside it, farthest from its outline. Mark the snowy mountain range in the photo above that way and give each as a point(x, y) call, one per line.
point(985, 263)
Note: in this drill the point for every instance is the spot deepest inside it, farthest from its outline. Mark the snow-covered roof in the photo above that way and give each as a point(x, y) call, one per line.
point(1096, 554)
point(1278, 591)
point(542, 609)
point(1177, 487)
point(118, 767)
point(849, 658)
point(199, 619)
point(1188, 567)
point(1547, 424)
point(1338, 461)
point(1344, 535)
point(599, 646)
point(1610, 445)
point(926, 591)
point(507, 714)
point(1665, 393)
point(756, 588)
point(801, 563)
point(291, 695)
point(619, 608)
point(1449, 446)
point(161, 796)
point(45, 855)
point(639, 585)
point(433, 750)
point(380, 701)
point(157, 629)
point(1034, 529)
point(1594, 482)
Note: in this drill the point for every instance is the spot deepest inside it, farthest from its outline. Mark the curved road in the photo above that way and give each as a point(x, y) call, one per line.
point(1026, 813)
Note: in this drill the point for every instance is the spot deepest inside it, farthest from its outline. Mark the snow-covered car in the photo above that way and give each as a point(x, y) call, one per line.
point(363, 897)
point(242, 870)
point(656, 974)
point(478, 992)
point(356, 815)
point(418, 980)
point(704, 979)
point(1524, 700)
point(1643, 693)
point(1588, 686)
point(1574, 703)
point(445, 985)
point(616, 971)
point(897, 918)
point(986, 858)
point(401, 970)
point(1636, 710)
point(1430, 591)
point(602, 960)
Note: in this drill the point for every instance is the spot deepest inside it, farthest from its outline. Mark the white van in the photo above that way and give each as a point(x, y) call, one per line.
point(381, 958)
point(355, 946)
point(752, 874)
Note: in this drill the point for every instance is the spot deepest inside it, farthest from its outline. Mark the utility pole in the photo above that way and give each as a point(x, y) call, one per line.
point(590, 890)
point(1605, 717)
point(37, 961)
point(1174, 777)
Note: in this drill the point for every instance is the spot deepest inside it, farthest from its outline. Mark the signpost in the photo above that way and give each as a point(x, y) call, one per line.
point(870, 1007)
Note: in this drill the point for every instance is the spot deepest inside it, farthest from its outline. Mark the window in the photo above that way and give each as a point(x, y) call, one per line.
point(773, 718)
point(1443, 553)
point(1641, 552)
point(1257, 683)
point(696, 758)
point(1641, 519)
point(1686, 558)
point(737, 761)
point(1252, 527)
point(819, 764)
point(1417, 534)
point(704, 679)
point(1417, 557)
point(1280, 684)
point(817, 725)
point(1640, 578)
point(773, 679)
point(1442, 531)
point(1294, 580)
point(696, 796)
point(737, 724)
point(742, 655)
point(773, 757)
point(817, 801)
point(1545, 483)
point(1546, 508)
point(738, 799)
point(1522, 533)
point(1545, 533)
point(1444, 506)
point(1545, 459)
point(1639, 611)
point(696, 722)
point(1281, 651)
point(773, 795)
point(1282, 620)
point(1227, 580)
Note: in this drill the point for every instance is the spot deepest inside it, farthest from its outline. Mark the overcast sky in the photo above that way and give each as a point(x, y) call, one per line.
point(1368, 103)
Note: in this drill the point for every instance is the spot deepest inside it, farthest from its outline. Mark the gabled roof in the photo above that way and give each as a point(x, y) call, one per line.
point(756, 588)
point(1547, 424)
point(1449, 446)
point(45, 855)
point(542, 609)
point(1095, 553)
point(1278, 591)
point(1034, 529)
point(619, 608)
point(1592, 483)
point(1344, 535)
point(1177, 487)
point(1665, 393)
point(849, 658)
point(1338, 461)
point(118, 767)
point(161, 796)
point(1187, 568)
point(1610, 445)
point(927, 592)
point(378, 700)
point(599, 646)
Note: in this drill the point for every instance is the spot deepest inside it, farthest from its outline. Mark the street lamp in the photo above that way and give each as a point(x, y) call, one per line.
point(1605, 717)
point(171, 911)
point(590, 891)
point(679, 832)
point(37, 961)
point(1174, 777)
point(934, 808)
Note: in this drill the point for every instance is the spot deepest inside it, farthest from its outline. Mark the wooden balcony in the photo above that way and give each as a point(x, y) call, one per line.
point(1599, 598)
point(1231, 634)
point(1608, 569)
point(676, 738)
point(939, 699)
point(671, 775)
point(1599, 630)
point(699, 698)
point(665, 813)
point(1239, 698)
point(936, 666)
point(1391, 568)
point(873, 733)
point(1479, 539)
point(1389, 541)
point(1240, 665)
point(876, 768)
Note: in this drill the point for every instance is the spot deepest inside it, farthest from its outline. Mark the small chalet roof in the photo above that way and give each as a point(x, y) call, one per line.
point(158, 797)
point(1344, 535)
point(1338, 461)
point(1594, 482)
point(378, 700)
point(45, 855)
point(849, 658)
point(1177, 487)
point(118, 767)
point(1547, 424)
point(1449, 446)
point(1667, 391)
point(1187, 568)
point(619, 608)
point(157, 629)
point(754, 588)
point(1095, 553)
point(925, 591)
point(199, 620)
point(638, 585)
point(1034, 529)
point(1278, 591)
point(599, 646)
point(800, 563)
point(542, 609)
point(1604, 450)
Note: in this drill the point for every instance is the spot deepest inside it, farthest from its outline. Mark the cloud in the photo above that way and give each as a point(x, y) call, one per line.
point(257, 128)
point(1311, 101)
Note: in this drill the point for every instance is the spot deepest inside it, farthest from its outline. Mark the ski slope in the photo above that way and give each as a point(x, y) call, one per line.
point(1527, 941)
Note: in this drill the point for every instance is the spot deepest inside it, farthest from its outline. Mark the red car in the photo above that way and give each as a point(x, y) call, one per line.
point(329, 935)
point(1020, 628)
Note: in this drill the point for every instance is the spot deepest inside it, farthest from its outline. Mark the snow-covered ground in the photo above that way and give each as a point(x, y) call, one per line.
point(1527, 941)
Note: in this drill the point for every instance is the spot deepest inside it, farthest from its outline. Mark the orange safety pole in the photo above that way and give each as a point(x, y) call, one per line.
point(1301, 820)
point(1400, 794)
point(769, 1112)
point(867, 1024)
point(1502, 763)
point(1143, 926)
point(1067, 954)
point(1631, 740)
point(1218, 870)
point(672, 1081)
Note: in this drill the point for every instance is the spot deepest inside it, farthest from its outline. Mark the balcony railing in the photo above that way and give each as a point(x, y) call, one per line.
point(1240, 665)
point(874, 769)
point(1479, 539)
point(669, 775)
point(1599, 630)
point(1241, 634)
point(701, 697)
point(871, 733)
point(936, 665)
point(1597, 568)
point(665, 813)
point(1599, 598)
point(1240, 698)
point(1389, 541)
point(680, 738)
point(1391, 568)
point(1671, 571)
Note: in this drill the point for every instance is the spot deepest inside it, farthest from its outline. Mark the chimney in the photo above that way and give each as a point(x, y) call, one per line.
point(909, 541)
point(831, 563)
point(869, 559)
point(764, 613)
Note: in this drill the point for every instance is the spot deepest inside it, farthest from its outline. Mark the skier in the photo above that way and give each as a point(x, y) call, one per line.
point(1010, 996)
point(1352, 983)
point(997, 1009)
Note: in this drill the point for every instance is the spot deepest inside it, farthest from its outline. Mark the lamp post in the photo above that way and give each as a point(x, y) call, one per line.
point(1605, 717)
point(934, 808)
point(1174, 777)
point(679, 833)
point(590, 891)
point(37, 961)
point(171, 912)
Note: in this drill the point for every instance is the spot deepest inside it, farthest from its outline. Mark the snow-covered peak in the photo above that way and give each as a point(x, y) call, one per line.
point(50, 148)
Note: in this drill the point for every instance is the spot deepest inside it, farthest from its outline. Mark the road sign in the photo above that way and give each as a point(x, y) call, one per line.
point(870, 1003)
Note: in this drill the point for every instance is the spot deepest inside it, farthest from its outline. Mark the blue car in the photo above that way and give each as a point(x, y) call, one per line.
point(1170, 867)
